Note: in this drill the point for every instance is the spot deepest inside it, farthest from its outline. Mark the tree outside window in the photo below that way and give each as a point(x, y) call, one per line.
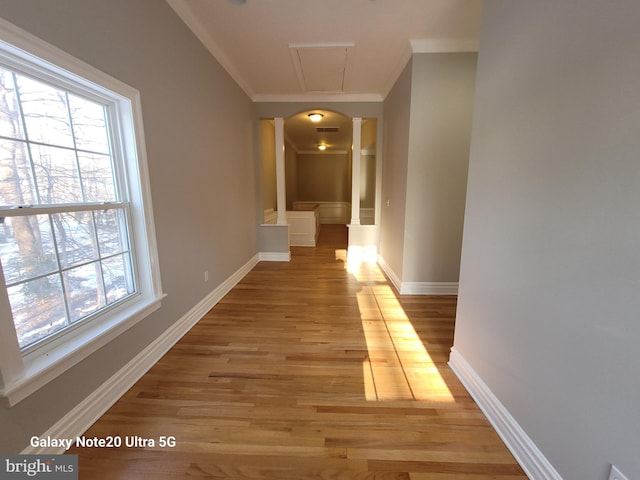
point(64, 244)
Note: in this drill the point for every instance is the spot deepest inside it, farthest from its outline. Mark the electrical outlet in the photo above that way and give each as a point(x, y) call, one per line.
point(206, 275)
point(615, 474)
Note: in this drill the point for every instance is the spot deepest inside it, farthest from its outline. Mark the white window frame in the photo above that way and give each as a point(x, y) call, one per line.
point(24, 372)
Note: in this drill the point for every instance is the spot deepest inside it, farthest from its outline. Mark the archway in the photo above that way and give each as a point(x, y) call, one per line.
point(318, 163)
point(322, 163)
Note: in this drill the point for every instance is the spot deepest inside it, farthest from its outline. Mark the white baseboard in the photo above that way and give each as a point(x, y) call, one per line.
point(330, 212)
point(275, 256)
point(429, 288)
point(417, 288)
point(530, 458)
point(388, 271)
point(83, 415)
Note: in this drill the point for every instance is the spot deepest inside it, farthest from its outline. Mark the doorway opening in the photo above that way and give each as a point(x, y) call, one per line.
point(311, 169)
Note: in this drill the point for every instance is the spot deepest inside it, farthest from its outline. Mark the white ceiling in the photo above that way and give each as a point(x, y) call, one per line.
point(326, 50)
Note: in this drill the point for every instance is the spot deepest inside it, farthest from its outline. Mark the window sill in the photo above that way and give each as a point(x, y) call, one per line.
point(42, 367)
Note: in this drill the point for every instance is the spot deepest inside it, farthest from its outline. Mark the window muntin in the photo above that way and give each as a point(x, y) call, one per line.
point(64, 241)
point(24, 371)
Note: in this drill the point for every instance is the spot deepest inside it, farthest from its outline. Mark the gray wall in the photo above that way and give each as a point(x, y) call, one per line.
point(200, 145)
point(368, 165)
point(548, 306)
point(291, 174)
point(439, 138)
point(324, 177)
point(268, 165)
point(397, 109)
point(427, 135)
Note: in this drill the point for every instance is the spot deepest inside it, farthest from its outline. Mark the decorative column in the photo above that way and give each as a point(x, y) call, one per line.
point(355, 171)
point(281, 193)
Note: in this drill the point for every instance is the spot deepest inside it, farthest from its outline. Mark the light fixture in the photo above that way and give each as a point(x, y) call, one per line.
point(315, 117)
point(322, 147)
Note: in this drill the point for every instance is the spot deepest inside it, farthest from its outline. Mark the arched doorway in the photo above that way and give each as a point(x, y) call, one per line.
point(322, 157)
point(318, 163)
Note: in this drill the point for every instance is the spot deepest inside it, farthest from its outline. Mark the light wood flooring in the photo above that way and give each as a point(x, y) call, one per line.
point(312, 369)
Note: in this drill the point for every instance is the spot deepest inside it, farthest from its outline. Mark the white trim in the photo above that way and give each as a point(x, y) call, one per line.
point(200, 31)
point(83, 415)
point(45, 55)
point(355, 170)
point(42, 369)
point(444, 45)
point(530, 458)
point(42, 364)
point(429, 288)
point(417, 288)
point(317, 97)
point(404, 58)
point(304, 227)
point(281, 188)
point(274, 256)
point(195, 25)
point(428, 45)
point(388, 271)
point(330, 212)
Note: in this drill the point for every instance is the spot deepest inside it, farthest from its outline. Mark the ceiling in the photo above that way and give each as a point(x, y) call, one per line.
point(326, 50)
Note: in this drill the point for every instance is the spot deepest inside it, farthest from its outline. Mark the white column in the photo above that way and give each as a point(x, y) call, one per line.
point(281, 192)
point(355, 172)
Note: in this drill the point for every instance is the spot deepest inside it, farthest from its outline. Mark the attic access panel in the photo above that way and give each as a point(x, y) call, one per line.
point(322, 67)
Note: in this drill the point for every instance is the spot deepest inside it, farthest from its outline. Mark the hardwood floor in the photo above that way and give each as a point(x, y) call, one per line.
point(312, 369)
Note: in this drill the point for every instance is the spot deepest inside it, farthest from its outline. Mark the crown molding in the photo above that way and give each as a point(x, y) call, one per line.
point(318, 97)
point(396, 72)
point(195, 25)
point(429, 45)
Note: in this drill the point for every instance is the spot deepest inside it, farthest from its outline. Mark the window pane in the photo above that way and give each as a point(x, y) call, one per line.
point(75, 238)
point(26, 248)
point(89, 126)
point(45, 113)
point(97, 177)
point(10, 121)
point(56, 174)
point(83, 286)
point(112, 231)
point(118, 280)
point(16, 180)
point(38, 309)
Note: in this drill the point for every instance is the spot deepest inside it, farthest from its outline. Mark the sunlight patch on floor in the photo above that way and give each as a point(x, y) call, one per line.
point(398, 366)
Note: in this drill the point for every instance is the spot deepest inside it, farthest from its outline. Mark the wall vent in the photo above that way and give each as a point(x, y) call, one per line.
point(327, 129)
